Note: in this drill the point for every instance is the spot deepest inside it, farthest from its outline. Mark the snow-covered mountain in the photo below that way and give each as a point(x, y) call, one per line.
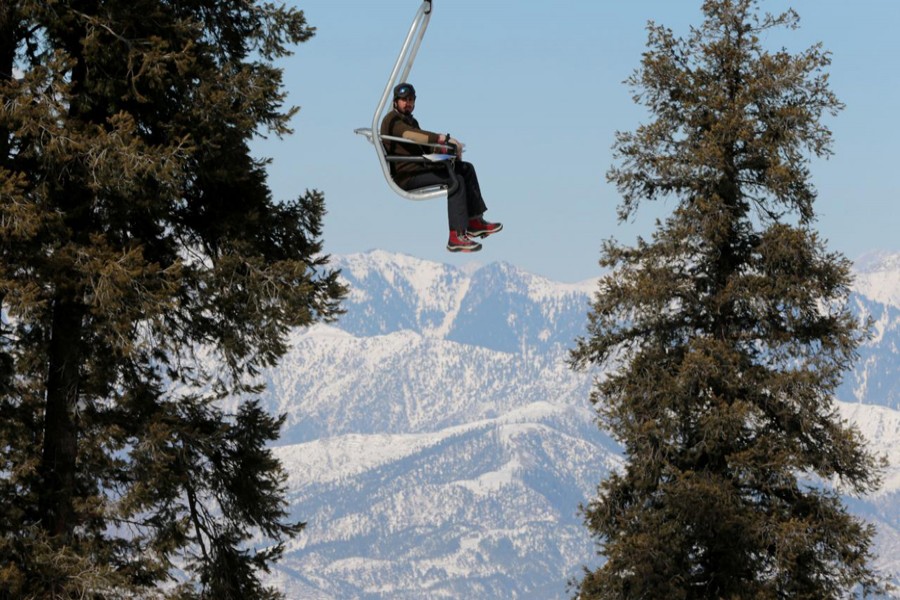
point(438, 446)
point(875, 378)
point(878, 277)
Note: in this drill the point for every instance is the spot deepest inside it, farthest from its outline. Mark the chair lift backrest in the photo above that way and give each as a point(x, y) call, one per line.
point(399, 74)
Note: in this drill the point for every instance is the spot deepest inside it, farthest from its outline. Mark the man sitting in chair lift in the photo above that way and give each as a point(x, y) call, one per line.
point(465, 206)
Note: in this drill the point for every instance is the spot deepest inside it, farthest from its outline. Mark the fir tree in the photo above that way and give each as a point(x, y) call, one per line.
point(726, 334)
point(146, 277)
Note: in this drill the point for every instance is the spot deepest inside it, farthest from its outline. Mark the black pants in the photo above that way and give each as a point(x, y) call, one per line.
point(465, 202)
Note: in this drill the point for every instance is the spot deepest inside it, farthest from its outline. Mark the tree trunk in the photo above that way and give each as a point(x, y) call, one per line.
point(7, 57)
point(60, 451)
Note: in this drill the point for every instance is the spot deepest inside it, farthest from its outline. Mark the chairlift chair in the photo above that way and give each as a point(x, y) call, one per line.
point(399, 74)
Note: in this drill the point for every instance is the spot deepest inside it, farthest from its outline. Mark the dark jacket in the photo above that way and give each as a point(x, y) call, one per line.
point(406, 126)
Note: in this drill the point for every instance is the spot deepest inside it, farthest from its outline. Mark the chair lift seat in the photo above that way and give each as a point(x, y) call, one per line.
point(441, 189)
point(400, 73)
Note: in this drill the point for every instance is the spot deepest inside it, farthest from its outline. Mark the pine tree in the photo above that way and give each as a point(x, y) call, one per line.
point(146, 277)
point(725, 335)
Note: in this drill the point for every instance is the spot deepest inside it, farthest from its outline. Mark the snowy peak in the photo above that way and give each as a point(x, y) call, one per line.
point(392, 292)
point(503, 308)
point(877, 261)
point(497, 306)
point(877, 276)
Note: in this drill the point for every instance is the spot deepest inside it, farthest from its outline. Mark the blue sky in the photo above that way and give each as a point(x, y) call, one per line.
point(534, 88)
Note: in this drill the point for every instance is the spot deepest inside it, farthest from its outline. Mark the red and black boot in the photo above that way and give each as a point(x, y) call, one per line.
point(460, 242)
point(479, 228)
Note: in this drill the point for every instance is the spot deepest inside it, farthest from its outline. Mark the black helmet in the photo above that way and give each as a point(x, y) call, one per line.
point(404, 90)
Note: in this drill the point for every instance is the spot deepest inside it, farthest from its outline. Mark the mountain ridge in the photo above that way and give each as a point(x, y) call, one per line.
point(439, 446)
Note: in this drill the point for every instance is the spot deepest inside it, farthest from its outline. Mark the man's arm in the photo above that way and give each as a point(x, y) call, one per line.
point(401, 128)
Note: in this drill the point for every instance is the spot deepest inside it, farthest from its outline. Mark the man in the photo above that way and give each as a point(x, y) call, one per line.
point(465, 206)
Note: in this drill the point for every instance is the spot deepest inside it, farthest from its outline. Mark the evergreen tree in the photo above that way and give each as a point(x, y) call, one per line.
point(146, 277)
point(726, 334)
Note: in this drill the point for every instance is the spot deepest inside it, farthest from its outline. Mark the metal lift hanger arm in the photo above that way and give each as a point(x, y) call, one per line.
point(400, 73)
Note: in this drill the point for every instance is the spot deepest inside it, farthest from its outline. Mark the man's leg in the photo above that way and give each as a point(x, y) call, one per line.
point(474, 202)
point(476, 226)
point(457, 215)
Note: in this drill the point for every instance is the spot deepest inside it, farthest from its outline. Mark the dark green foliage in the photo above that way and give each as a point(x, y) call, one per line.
point(726, 335)
point(146, 275)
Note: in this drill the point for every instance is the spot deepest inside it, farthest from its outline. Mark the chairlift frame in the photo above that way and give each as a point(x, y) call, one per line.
point(399, 74)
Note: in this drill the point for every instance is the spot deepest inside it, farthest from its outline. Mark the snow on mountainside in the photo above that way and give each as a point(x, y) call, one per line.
point(482, 510)
point(877, 276)
point(881, 426)
point(332, 383)
point(497, 307)
point(393, 292)
point(438, 446)
point(874, 378)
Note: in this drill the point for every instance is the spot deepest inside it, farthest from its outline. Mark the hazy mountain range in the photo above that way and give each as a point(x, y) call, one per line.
point(438, 446)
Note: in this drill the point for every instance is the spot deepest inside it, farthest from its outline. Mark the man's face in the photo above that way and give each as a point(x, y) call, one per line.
point(406, 105)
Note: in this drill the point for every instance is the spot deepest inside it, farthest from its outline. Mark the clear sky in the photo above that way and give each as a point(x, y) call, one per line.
point(534, 88)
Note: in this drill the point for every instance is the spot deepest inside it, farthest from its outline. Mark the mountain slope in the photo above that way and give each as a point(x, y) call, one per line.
point(877, 277)
point(484, 510)
point(332, 383)
point(873, 379)
point(439, 447)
